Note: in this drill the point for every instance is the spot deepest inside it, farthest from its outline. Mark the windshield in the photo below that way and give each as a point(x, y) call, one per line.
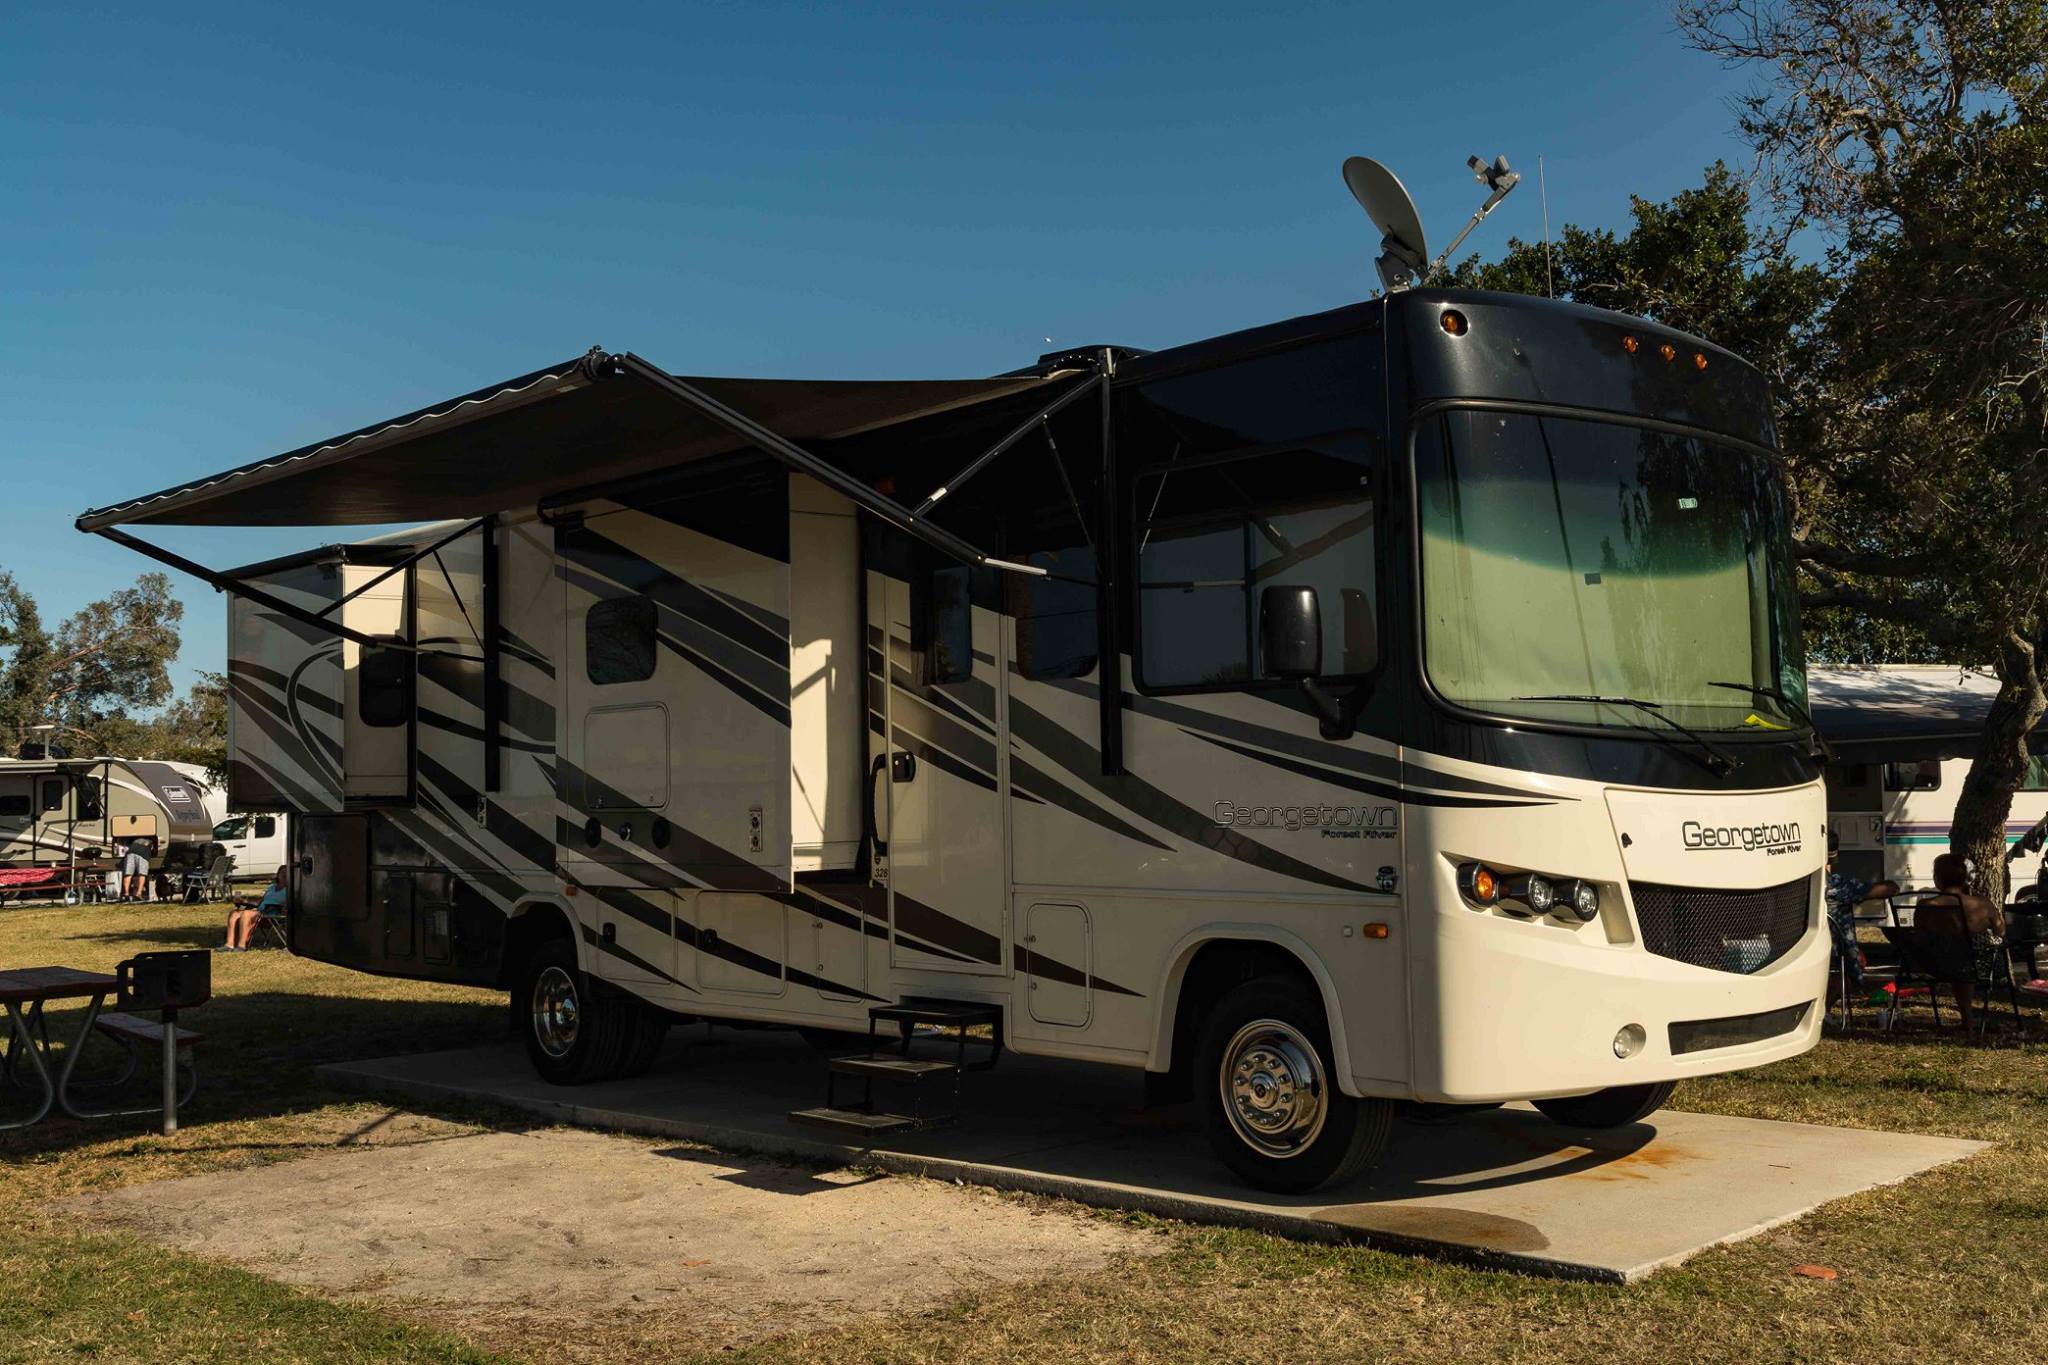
point(232, 829)
point(1585, 560)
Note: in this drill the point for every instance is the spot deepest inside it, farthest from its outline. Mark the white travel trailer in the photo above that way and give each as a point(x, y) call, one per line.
point(1397, 703)
point(65, 817)
point(1904, 736)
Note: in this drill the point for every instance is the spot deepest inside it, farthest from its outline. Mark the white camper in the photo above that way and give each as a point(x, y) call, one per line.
point(1904, 735)
point(1398, 703)
point(64, 818)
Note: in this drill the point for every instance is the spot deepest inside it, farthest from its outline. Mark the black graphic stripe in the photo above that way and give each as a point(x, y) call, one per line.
point(1148, 802)
point(1359, 784)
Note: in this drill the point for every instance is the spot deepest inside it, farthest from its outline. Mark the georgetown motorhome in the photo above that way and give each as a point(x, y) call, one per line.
point(1450, 745)
point(67, 815)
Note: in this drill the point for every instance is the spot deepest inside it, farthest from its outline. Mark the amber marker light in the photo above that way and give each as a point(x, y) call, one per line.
point(1454, 322)
point(1699, 360)
point(1479, 883)
point(1375, 931)
point(1630, 344)
point(1668, 351)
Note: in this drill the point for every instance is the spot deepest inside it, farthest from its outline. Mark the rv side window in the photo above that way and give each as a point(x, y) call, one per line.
point(14, 805)
point(1247, 476)
point(1923, 776)
point(619, 640)
point(88, 798)
point(266, 825)
point(1055, 616)
point(2036, 779)
point(384, 685)
point(53, 793)
point(949, 645)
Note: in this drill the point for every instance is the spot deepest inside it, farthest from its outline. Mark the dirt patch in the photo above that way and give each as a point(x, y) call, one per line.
point(573, 1238)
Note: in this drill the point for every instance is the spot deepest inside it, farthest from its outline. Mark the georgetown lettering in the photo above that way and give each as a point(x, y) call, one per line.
point(1335, 822)
point(1768, 838)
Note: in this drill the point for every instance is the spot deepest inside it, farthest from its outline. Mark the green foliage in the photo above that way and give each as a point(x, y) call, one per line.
point(100, 664)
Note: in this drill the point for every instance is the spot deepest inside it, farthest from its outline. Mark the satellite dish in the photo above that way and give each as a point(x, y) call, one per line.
point(1403, 256)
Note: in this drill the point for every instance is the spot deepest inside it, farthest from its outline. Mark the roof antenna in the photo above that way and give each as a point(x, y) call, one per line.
point(1497, 178)
point(1543, 189)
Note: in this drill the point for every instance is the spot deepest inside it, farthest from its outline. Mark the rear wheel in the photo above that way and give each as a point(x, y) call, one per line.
point(572, 1035)
point(1610, 1108)
point(1263, 1077)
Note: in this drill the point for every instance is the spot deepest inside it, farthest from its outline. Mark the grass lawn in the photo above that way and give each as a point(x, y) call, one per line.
point(1953, 1264)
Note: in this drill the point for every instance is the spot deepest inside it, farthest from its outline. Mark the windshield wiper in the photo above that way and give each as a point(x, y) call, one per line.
point(1798, 711)
point(1718, 761)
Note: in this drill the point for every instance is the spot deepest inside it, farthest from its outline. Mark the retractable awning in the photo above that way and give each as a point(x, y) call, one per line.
point(585, 422)
point(1901, 712)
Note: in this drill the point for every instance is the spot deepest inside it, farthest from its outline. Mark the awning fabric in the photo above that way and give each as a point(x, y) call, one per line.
point(570, 426)
point(1898, 713)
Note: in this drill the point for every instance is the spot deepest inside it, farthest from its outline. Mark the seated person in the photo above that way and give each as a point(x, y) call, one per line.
point(1953, 910)
point(250, 910)
point(1844, 893)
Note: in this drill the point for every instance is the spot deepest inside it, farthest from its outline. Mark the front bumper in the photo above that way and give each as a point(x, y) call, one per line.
point(1523, 1010)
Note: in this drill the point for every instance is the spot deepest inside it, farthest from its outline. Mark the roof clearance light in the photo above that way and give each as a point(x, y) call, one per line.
point(1668, 351)
point(1454, 322)
point(1479, 883)
point(1629, 344)
point(1699, 360)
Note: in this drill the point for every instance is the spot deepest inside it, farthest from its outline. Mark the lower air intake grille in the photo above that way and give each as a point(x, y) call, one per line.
point(1729, 931)
point(1703, 1035)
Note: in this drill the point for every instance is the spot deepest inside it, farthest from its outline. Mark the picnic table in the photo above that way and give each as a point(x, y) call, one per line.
point(33, 988)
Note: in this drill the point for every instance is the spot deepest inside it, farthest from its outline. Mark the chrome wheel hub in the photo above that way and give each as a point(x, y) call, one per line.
point(1274, 1090)
point(556, 1011)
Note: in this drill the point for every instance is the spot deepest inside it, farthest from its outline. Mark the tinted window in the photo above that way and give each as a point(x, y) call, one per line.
point(266, 825)
point(231, 829)
point(13, 805)
point(53, 793)
point(1254, 475)
point(619, 640)
point(88, 798)
point(384, 685)
point(949, 651)
point(1921, 776)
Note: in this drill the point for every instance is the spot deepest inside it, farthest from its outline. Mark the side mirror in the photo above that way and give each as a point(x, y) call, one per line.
point(1290, 633)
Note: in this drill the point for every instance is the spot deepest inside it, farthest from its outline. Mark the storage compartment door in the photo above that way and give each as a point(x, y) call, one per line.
point(285, 697)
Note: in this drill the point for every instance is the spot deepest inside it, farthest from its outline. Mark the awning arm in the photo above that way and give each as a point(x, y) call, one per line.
point(222, 583)
point(838, 480)
point(1023, 429)
point(415, 557)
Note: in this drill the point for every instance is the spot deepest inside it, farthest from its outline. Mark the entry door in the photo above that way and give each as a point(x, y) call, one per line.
point(948, 867)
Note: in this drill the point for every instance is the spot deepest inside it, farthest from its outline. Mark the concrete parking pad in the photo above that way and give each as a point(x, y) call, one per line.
point(1500, 1187)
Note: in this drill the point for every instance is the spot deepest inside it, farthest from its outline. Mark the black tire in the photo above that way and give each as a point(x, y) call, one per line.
point(1610, 1108)
point(1426, 1111)
point(1279, 1019)
point(647, 1031)
point(573, 1034)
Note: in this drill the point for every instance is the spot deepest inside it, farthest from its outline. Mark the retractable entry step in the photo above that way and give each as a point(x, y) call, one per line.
point(969, 1028)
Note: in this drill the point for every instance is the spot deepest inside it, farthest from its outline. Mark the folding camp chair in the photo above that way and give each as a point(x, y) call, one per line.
point(209, 883)
point(269, 926)
point(1932, 958)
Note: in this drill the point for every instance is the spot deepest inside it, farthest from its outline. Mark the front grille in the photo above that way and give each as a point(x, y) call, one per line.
point(1703, 1035)
point(1729, 931)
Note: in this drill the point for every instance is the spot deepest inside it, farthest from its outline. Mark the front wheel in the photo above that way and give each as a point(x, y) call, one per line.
point(571, 1035)
point(1263, 1069)
point(1613, 1107)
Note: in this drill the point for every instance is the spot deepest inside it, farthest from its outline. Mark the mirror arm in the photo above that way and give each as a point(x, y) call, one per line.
point(1339, 716)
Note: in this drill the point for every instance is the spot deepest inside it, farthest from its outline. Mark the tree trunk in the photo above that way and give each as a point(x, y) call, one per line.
point(1977, 830)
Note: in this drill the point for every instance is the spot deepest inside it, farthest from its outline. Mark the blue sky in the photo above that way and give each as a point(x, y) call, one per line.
point(229, 230)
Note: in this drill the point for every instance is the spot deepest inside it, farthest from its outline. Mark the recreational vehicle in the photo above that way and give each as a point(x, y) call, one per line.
point(1400, 703)
point(1904, 736)
point(61, 819)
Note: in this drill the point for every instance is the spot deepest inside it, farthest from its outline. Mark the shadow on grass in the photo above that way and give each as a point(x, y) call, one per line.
point(258, 1059)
